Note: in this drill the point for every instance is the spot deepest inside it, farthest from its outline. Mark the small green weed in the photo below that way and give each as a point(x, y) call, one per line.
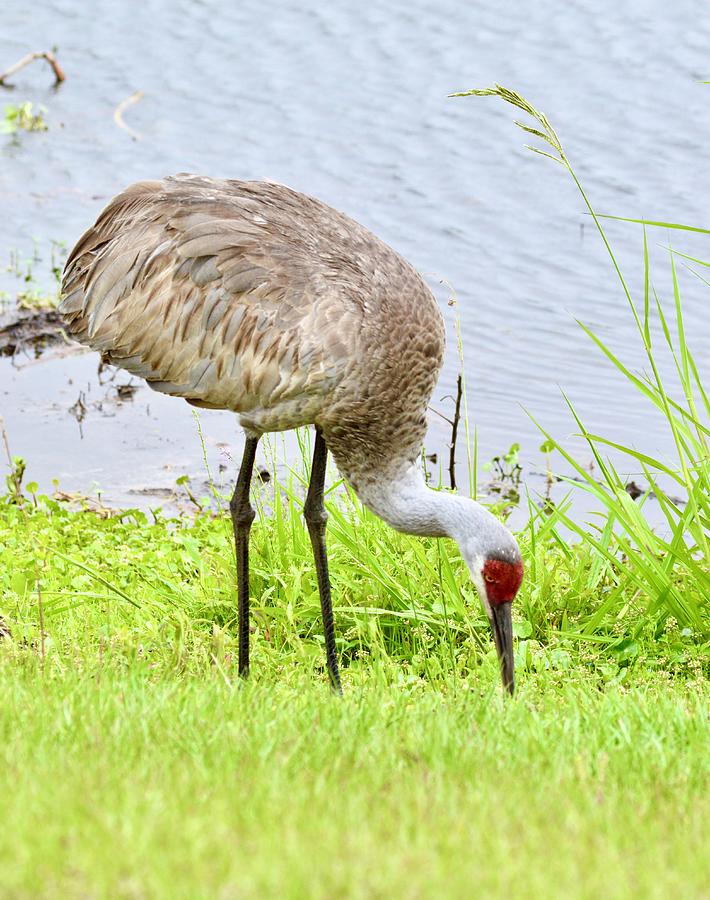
point(23, 117)
point(32, 293)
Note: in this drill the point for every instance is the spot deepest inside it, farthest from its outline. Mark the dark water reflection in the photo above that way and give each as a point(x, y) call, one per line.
point(348, 102)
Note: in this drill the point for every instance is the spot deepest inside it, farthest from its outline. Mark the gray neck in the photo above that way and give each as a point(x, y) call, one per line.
point(407, 504)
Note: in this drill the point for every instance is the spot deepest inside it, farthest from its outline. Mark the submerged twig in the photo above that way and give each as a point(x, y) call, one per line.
point(59, 75)
point(121, 108)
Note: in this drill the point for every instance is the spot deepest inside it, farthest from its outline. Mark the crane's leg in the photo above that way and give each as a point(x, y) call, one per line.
point(242, 517)
point(316, 518)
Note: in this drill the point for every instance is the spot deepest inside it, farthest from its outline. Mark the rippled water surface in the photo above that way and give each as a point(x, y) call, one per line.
point(349, 102)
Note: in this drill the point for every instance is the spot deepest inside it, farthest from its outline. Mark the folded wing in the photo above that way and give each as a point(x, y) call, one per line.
point(213, 291)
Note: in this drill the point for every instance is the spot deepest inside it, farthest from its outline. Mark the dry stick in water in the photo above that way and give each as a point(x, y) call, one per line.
point(455, 431)
point(59, 75)
point(454, 427)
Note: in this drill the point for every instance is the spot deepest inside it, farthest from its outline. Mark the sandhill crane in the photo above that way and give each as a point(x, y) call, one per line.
point(252, 297)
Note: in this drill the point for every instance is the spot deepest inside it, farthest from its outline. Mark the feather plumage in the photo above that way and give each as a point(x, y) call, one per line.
point(252, 297)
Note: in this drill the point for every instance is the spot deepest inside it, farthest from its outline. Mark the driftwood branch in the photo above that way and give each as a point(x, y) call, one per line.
point(59, 75)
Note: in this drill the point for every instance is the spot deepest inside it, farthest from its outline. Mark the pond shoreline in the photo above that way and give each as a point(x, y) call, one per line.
point(107, 406)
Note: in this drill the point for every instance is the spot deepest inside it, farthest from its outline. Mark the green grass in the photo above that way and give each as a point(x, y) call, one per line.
point(670, 566)
point(166, 586)
point(128, 784)
point(134, 763)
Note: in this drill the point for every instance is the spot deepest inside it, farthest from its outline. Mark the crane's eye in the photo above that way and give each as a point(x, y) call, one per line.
point(488, 577)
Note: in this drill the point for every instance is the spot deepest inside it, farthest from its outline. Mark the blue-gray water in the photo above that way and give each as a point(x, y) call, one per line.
point(349, 102)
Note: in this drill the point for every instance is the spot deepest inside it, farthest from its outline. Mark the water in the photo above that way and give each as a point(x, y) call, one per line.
point(349, 102)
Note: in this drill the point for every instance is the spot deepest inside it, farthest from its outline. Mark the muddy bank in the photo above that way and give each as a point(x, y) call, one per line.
point(30, 332)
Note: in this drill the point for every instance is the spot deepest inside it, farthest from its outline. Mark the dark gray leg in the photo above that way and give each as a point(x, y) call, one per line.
point(316, 518)
point(242, 517)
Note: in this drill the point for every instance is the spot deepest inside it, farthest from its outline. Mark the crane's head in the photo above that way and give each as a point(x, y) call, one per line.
point(501, 578)
point(496, 567)
point(489, 549)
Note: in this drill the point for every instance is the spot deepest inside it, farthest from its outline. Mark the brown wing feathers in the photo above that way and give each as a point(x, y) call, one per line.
point(181, 288)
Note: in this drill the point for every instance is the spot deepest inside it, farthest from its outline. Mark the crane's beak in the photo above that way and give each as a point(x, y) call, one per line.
point(502, 625)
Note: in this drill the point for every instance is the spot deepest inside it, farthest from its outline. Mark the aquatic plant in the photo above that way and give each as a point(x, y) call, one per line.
point(23, 117)
point(32, 292)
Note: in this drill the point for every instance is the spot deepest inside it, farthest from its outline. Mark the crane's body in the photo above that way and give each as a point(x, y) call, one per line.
point(252, 297)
